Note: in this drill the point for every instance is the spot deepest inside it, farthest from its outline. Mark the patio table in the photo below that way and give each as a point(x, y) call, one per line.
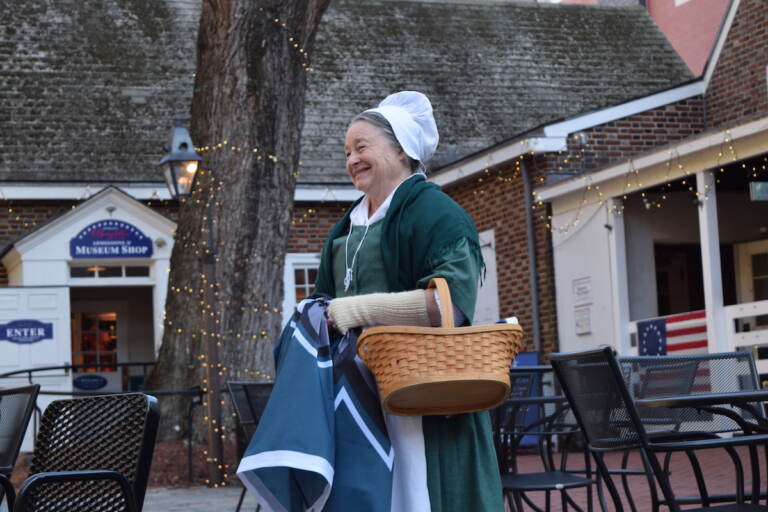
point(714, 403)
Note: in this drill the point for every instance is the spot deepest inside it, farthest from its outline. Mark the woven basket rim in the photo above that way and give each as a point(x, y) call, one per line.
point(440, 331)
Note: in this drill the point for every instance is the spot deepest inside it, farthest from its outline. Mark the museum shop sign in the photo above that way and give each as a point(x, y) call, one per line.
point(110, 239)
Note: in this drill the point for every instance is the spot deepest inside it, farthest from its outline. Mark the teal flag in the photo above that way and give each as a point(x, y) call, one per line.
point(322, 442)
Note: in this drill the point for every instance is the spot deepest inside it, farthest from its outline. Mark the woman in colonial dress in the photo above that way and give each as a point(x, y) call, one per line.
point(376, 264)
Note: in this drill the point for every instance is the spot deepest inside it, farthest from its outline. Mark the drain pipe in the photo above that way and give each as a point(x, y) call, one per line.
point(533, 275)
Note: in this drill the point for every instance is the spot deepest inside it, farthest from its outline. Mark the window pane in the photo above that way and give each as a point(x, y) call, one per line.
point(312, 276)
point(88, 341)
point(301, 294)
point(761, 289)
point(136, 271)
point(80, 272)
point(299, 276)
point(760, 264)
point(111, 272)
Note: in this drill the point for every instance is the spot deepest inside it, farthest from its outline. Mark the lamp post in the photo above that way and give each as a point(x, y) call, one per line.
point(181, 166)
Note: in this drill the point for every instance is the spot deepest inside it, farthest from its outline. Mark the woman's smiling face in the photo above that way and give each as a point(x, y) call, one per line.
point(375, 166)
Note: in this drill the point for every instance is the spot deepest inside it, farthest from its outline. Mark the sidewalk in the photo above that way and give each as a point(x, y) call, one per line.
point(718, 472)
point(196, 499)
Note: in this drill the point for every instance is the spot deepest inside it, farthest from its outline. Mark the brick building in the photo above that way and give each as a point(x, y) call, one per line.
point(89, 92)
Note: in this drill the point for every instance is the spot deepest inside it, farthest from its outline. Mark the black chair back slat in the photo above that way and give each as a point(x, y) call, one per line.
point(16, 406)
point(605, 410)
point(110, 432)
point(249, 399)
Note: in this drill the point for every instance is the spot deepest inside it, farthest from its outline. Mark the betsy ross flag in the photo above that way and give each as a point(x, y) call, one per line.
point(685, 333)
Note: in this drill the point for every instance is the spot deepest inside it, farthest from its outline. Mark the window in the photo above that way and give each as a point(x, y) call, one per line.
point(299, 279)
point(104, 271)
point(94, 341)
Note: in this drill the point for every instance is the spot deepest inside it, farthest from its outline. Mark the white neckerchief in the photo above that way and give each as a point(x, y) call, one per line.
point(359, 216)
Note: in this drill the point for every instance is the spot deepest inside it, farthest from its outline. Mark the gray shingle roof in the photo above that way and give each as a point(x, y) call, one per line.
point(87, 89)
point(492, 71)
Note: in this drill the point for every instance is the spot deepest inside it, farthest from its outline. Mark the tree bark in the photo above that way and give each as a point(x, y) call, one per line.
point(247, 113)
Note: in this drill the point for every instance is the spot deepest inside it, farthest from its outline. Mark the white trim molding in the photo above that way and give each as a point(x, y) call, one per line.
point(630, 108)
point(20, 191)
point(749, 139)
point(486, 159)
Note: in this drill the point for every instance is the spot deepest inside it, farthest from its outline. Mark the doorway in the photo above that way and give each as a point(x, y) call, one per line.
point(111, 325)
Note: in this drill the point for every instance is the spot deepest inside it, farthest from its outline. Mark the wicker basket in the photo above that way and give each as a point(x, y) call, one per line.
point(440, 370)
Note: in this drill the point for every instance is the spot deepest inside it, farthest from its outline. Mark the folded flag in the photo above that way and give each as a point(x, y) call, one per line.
point(322, 442)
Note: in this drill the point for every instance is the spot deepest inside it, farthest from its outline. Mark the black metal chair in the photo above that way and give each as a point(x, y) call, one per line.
point(92, 454)
point(16, 406)
point(249, 400)
point(593, 382)
point(518, 432)
point(690, 374)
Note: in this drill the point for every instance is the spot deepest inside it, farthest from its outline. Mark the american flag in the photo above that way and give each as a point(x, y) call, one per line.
point(685, 333)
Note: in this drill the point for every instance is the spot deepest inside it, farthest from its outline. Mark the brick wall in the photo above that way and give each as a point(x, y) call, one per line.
point(738, 89)
point(495, 201)
point(311, 224)
point(624, 138)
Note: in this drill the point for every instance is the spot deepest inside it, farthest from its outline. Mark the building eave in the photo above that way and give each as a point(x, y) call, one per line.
point(62, 191)
point(749, 139)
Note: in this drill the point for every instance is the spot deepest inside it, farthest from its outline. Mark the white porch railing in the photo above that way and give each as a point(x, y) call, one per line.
point(748, 339)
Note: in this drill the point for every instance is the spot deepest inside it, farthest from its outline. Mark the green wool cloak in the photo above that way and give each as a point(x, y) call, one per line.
point(422, 226)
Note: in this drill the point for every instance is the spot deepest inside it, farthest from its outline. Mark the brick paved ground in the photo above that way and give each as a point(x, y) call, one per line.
point(200, 499)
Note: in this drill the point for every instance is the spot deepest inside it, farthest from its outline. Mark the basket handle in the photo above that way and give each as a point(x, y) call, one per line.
point(446, 306)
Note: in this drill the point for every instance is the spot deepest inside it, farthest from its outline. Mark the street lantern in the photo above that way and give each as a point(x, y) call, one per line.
point(182, 162)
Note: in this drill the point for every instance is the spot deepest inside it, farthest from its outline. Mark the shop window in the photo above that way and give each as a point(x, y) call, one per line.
point(132, 271)
point(82, 272)
point(94, 341)
point(104, 271)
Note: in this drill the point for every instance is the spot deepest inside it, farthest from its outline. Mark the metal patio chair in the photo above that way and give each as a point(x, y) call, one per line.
point(249, 400)
point(593, 382)
point(92, 454)
point(16, 406)
point(518, 432)
point(690, 374)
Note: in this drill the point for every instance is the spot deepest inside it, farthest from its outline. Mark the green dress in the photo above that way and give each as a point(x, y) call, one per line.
point(462, 471)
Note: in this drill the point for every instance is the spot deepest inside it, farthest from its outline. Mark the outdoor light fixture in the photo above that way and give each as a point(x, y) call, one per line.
point(182, 161)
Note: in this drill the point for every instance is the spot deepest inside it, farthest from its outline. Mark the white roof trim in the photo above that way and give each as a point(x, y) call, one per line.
point(486, 159)
point(687, 147)
point(147, 191)
point(722, 36)
point(623, 110)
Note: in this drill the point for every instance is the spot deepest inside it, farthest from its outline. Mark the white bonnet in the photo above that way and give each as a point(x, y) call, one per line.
point(410, 114)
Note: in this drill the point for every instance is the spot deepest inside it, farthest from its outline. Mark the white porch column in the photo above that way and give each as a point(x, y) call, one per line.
point(709, 236)
point(619, 285)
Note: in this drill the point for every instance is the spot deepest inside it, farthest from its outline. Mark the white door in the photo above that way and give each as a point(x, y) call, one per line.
point(35, 333)
point(752, 279)
point(487, 305)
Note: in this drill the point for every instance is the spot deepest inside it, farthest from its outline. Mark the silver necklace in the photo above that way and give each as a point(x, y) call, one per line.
point(349, 275)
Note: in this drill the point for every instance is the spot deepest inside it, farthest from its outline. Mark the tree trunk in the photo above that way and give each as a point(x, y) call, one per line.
point(247, 113)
